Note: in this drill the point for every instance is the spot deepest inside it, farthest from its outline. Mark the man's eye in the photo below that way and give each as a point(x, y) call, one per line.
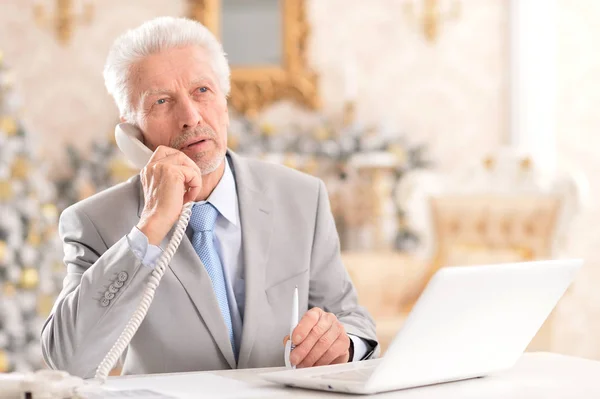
point(161, 101)
point(203, 89)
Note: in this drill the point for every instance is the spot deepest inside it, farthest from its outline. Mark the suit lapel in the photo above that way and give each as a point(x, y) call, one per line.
point(191, 273)
point(256, 222)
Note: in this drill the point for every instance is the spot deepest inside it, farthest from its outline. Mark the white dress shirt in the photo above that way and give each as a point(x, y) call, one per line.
point(228, 240)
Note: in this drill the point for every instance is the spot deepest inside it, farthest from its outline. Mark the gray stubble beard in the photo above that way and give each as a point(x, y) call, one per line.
point(210, 165)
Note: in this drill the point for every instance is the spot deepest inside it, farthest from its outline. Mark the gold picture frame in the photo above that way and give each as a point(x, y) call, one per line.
point(255, 87)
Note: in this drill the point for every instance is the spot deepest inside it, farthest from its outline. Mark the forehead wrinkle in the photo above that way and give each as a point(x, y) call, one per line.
point(138, 69)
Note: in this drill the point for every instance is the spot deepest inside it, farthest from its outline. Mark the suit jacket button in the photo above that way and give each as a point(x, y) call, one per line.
point(117, 284)
point(109, 295)
point(113, 289)
point(105, 302)
point(122, 276)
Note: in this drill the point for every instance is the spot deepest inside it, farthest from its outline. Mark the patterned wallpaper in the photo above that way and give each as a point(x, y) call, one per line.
point(451, 94)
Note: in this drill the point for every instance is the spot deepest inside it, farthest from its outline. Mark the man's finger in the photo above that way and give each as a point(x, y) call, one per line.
point(193, 184)
point(285, 339)
point(192, 181)
point(338, 350)
point(191, 194)
point(318, 332)
point(305, 326)
point(175, 157)
point(322, 342)
point(341, 360)
point(162, 151)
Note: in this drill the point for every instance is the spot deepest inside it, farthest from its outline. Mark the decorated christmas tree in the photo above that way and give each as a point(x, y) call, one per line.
point(101, 168)
point(31, 271)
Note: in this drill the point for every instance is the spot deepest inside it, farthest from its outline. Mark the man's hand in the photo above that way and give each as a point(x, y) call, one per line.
point(170, 179)
point(320, 340)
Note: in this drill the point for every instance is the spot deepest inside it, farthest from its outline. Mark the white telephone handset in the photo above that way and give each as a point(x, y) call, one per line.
point(129, 139)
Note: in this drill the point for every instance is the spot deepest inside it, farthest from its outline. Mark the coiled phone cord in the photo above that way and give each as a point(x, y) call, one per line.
point(138, 316)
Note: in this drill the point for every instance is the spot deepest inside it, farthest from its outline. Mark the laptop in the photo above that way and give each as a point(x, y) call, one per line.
point(469, 322)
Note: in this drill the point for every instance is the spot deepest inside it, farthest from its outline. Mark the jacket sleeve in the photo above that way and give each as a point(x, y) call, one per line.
point(101, 291)
point(330, 286)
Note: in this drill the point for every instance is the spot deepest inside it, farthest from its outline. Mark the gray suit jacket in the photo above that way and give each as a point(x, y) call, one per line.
point(288, 238)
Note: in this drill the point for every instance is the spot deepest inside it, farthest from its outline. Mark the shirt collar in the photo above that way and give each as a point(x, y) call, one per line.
point(224, 196)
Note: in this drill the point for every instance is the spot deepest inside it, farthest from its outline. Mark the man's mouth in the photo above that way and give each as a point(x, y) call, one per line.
point(196, 142)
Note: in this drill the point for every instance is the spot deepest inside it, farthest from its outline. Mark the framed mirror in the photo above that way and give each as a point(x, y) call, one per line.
point(265, 41)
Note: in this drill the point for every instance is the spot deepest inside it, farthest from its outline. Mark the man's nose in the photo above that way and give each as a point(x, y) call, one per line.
point(189, 115)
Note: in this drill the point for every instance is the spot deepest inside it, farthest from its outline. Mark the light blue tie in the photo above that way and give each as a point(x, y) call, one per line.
point(202, 223)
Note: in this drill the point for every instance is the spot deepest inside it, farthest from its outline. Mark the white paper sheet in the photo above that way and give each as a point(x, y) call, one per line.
point(190, 385)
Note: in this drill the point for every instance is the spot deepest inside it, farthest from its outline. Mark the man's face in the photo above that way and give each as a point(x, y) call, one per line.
point(179, 104)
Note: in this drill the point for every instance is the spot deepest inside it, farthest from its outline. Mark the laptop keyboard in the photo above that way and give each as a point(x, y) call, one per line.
point(361, 374)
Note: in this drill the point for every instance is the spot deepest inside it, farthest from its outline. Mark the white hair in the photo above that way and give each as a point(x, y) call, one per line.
point(152, 37)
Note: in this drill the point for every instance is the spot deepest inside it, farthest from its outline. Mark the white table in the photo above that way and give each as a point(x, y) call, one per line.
point(535, 376)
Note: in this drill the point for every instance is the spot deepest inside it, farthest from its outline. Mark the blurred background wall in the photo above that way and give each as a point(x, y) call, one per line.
point(423, 89)
point(577, 122)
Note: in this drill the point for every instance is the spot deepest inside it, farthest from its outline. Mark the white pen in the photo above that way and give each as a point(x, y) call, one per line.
point(294, 321)
point(293, 324)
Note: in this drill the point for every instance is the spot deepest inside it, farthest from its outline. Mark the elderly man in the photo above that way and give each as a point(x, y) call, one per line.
point(225, 299)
